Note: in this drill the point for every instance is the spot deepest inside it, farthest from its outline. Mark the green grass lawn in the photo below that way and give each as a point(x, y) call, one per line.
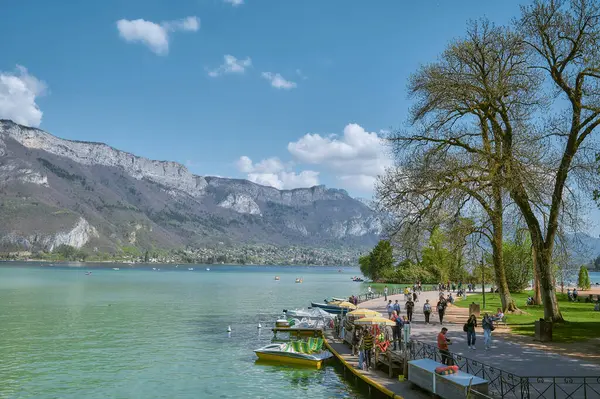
point(582, 323)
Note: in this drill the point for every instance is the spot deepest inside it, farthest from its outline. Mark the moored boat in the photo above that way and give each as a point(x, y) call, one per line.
point(296, 352)
point(298, 280)
point(334, 307)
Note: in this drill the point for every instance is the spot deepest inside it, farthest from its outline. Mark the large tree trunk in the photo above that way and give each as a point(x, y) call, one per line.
point(548, 286)
point(508, 304)
point(537, 294)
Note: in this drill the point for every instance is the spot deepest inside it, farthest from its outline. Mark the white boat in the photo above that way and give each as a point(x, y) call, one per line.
point(294, 353)
point(314, 313)
point(208, 269)
point(191, 269)
point(116, 268)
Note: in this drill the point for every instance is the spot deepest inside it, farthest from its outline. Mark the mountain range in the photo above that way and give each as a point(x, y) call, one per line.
point(86, 194)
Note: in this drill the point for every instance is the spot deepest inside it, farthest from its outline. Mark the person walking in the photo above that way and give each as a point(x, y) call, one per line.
point(409, 305)
point(397, 330)
point(390, 309)
point(488, 327)
point(368, 347)
point(427, 310)
point(397, 307)
point(469, 328)
point(385, 293)
point(441, 308)
point(442, 344)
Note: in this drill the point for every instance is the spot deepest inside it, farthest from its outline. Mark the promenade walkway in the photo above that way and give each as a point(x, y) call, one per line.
point(511, 356)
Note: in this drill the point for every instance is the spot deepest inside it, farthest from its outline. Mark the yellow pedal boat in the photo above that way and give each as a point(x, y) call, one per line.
point(286, 353)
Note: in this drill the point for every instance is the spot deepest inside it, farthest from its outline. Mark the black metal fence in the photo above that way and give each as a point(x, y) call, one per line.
point(502, 384)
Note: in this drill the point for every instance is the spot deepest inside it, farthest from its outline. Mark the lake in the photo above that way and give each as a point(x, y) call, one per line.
point(157, 334)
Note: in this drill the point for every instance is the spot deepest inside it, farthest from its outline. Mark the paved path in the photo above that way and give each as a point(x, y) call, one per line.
point(512, 357)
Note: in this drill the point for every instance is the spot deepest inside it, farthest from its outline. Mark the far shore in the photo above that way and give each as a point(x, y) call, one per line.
point(151, 264)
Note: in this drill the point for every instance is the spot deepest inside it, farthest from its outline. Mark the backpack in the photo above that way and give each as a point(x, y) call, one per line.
point(427, 308)
point(465, 327)
point(440, 307)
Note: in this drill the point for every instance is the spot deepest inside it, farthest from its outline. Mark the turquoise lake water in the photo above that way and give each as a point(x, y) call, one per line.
point(157, 334)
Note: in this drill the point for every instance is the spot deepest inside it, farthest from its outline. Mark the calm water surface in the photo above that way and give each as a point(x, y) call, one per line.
point(156, 334)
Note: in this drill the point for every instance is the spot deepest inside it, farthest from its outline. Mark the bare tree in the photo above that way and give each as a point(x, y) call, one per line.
point(454, 156)
point(564, 37)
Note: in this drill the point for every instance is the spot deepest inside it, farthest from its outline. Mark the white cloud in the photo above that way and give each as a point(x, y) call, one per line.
point(272, 172)
point(278, 81)
point(18, 94)
point(234, 3)
point(357, 158)
point(153, 35)
point(231, 65)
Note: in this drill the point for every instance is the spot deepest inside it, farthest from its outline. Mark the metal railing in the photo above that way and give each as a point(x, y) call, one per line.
point(502, 384)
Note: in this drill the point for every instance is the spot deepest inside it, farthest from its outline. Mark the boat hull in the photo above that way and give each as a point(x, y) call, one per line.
point(330, 308)
point(284, 358)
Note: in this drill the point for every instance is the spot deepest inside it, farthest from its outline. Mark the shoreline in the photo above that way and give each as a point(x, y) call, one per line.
point(105, 263)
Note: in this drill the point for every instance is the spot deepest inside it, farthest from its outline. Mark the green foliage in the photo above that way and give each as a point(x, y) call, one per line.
point(408, 272)
point(437, 260)
point(583, 281)
point(67, 252)
point(378, 262)
point(518, 263)
point(477, 275)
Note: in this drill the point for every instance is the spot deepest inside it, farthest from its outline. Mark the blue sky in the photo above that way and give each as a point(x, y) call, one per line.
point(300, 67)
point(254, 89)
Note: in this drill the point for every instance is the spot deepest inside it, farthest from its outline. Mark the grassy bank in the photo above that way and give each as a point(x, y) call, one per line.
point(582, 323)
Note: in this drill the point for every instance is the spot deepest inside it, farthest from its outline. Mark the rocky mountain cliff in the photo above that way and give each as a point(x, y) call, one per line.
point(55, 191)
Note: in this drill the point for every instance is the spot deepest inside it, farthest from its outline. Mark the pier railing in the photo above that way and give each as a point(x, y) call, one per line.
point(394, 291)
point(502, 384)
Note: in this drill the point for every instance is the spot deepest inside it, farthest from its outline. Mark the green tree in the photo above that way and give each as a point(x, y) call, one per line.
point(437, 260)
point(379, 262)
point(66, 252)
point(518, 262)
point(583, 282)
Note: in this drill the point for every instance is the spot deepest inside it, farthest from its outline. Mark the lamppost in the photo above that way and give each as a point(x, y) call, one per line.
point(483, 281)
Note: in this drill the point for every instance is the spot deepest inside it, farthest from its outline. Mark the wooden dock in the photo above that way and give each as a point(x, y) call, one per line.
point(375, 380)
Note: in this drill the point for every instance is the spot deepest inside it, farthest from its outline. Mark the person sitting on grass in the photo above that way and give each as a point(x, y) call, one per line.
point(529, 301)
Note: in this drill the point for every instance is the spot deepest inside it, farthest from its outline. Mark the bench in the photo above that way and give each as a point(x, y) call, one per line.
point(502, 321)
point(421, 372)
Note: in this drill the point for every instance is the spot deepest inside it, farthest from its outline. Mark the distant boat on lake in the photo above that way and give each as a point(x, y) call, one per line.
point(116, 268)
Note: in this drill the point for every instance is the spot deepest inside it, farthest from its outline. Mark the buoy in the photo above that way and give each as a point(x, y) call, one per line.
point(259, 326)
point(228, 328)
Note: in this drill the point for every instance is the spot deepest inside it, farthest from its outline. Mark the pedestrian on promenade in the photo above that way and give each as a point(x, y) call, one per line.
point(368, 347)
point(356, 335)
point(427, 310)
point(385, 292)
point(441, 308)
point(469, 328)
point(406, 331)
point(488, 327)
point(409, 305)
point(397, 307)
point(415, 296)
point(390, 309)
point(442, 343)
point(397, 329)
